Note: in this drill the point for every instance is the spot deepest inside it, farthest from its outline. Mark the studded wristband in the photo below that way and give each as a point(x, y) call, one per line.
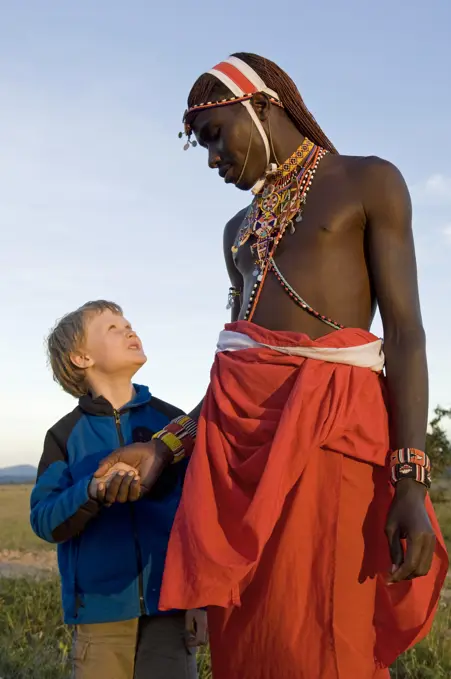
point(410, 463)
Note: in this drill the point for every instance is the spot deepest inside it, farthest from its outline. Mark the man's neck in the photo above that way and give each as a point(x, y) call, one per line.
point(285, 146)
point(118, 390)
point(284, 137)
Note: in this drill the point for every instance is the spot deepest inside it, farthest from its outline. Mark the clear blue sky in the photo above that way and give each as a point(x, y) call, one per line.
point(97, 198)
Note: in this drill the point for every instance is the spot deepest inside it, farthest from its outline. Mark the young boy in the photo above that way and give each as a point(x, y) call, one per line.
point(110, 554)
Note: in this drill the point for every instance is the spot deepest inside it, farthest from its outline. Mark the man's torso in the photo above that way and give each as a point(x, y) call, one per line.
point(326, 259)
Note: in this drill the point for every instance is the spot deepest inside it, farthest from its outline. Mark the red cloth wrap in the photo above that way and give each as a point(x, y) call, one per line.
point(280, 530)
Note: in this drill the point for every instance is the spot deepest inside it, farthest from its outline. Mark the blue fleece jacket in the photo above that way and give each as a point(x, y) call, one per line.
point(111, 559)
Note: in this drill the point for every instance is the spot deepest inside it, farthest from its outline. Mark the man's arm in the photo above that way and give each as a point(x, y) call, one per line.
point(236, 279)
point(60, 508)
point(394, 276)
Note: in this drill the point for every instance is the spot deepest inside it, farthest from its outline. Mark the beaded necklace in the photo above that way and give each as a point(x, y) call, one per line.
point(273, 210)
point(274, 207)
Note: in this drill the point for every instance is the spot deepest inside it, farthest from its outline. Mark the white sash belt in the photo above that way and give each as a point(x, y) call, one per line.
point(369, 355)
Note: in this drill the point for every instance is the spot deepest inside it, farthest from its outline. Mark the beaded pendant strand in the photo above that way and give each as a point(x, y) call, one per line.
point(276, 204)
point(277, 207)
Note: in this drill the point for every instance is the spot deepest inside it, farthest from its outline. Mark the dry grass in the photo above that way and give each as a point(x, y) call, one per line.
point(15, 531)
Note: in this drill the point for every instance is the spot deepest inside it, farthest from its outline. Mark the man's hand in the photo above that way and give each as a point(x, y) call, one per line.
point(147, 459)
point(408, 519)
point(196, 628)
point(121, 483)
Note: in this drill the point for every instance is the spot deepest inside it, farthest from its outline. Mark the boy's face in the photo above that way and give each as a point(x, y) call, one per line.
point(110, 346)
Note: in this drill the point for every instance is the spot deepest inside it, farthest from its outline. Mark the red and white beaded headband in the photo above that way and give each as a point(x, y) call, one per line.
point(243, 82)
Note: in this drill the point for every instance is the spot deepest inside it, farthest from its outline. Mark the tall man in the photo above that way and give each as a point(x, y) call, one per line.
point(281, 527)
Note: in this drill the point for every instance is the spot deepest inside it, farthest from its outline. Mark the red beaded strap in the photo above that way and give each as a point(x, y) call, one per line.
point(410, 463)
point(180, 437)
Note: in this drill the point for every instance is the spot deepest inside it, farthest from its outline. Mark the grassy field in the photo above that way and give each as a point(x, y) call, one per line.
point(34, 643)
point(15, 532)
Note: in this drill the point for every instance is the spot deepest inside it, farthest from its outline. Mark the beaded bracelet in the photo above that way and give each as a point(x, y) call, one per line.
point(233, 294)
point(179, 436)
point(410, 463)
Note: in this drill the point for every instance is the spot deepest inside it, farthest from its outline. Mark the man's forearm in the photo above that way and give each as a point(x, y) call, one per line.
point(407, 382)
point(163, 448)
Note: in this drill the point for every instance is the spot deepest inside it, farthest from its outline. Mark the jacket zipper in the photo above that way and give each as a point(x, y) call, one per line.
point(142, 606)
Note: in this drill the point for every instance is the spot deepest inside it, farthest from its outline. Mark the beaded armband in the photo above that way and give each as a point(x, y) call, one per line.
point(233, 294)
point(179, 436)
point(410, 463)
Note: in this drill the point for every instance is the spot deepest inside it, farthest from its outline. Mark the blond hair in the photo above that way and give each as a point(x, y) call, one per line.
point(67, 337)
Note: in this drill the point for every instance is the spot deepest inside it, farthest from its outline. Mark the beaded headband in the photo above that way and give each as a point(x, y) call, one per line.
point(243, 82)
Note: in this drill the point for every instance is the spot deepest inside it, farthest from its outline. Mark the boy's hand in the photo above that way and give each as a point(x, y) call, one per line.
point(147, 459)
point(120, 483)
point(196, 628)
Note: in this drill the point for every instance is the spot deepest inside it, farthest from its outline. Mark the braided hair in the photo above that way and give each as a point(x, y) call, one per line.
point(208, 88)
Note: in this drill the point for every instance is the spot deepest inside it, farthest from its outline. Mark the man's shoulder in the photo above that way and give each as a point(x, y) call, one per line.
point(232, 226)
point(62, 429)
point(236, 221)
point(237, 218)
point(374, 181)
point(165, 408)
point(367, 168)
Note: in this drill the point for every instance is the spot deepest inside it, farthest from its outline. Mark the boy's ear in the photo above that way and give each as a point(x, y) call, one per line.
point(80, 360)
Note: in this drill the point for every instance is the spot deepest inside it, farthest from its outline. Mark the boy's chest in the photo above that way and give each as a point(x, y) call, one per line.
point(95, 437)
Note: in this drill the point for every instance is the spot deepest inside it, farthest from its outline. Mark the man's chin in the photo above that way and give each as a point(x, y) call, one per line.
point(244, 185)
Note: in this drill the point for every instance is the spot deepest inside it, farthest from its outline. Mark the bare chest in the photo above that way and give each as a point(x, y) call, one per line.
point(332, 218)
point(322, 259)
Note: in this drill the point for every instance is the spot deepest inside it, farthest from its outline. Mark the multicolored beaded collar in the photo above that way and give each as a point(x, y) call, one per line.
point(274, 210)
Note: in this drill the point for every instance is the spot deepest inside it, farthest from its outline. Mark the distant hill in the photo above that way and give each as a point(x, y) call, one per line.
point(21, 473)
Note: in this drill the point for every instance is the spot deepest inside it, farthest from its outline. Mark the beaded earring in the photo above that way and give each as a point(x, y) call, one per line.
point(187, 133)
